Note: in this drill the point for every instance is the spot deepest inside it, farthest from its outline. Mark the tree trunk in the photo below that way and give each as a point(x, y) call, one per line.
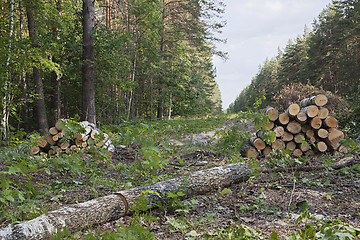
point(88, 111)
point(6, 98)
point(100, 210)
point(39, 89)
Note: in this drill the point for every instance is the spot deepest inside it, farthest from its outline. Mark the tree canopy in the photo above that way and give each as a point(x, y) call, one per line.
point(152, 58)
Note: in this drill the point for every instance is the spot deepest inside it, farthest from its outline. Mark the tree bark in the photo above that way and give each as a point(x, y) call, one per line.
point(88, 111)
point(39, 88)
point(100, 210)
point(7, 97)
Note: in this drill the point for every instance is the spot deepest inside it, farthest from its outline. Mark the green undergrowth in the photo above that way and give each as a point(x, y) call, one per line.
point(30, 185)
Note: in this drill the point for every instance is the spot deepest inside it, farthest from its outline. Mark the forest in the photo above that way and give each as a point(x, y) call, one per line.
point(324, 59)
point(112, 126)
point(144, 62)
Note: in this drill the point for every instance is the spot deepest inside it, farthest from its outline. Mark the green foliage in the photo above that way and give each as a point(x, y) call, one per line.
point(260, 206)
point(135, 231)
point(282, 158)
point(235, 231)
point(231, 139)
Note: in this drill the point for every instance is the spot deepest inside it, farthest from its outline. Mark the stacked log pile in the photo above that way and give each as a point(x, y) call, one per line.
point(304, 129)
point(66, 137)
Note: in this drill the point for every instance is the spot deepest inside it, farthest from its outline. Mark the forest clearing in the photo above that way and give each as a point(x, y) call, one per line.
point(279, 190)
point(112, 127)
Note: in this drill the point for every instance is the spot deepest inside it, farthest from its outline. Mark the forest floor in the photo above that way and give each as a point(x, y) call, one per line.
point(265, 203)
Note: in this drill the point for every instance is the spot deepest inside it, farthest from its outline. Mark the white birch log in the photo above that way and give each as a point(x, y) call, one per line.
point(104, 209)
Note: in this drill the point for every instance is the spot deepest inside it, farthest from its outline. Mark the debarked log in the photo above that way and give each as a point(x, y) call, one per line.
point(104, 209)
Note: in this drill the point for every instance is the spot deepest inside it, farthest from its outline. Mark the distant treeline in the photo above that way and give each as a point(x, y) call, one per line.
point(326, 59)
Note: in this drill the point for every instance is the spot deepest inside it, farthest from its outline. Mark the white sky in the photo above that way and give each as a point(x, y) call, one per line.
point(255, 30)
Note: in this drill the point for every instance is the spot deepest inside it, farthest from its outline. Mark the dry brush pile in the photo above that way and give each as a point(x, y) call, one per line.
point(305, 129)
point(68, 135)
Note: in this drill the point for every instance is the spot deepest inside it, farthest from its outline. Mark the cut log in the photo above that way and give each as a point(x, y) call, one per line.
point(297, 153)
point(34, 150)
point(299, 138)
point(330, 122)
point(283, 119)
point(279, 131)
point(266, 151)
point(258, 143)
point(272, 113)
point(321, 146)
point(287, 137)
point(294, 127)
point(73, 147)
point(319, 100)
point(55, 138)
point(94, 134)
point(304, 147)
point(343, 149)
point(293, 110)
point(60, 134)
point(248, 151)
point(309, 153)
point(323, 113)
point(109, 208)
point(278, 144)
point(312, 139)
point(58, 124)
point(322, 133)
point(310, 133)
point(291, 146)
point(53, 131)
point(42, 142)
point(333, 145)
point(57, 150)
point(270, 125)
point(88, 129)
point(311, 111)
point(64, 145)
point(50, 140)
point(305, 128)
point(316, 123)
point(335, 134)
point(84, 124)
point(301, 117)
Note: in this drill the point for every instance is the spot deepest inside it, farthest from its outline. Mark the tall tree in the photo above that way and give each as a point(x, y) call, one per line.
point(37, 75)
point(88, 111)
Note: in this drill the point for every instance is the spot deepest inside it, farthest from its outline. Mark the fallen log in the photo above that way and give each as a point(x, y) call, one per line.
point(104, 209)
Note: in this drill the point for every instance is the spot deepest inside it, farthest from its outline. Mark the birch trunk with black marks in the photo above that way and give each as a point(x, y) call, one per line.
point(100, 210)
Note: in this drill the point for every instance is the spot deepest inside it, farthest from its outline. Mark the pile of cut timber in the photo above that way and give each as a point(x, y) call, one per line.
point(304, 128)
point(67, 137)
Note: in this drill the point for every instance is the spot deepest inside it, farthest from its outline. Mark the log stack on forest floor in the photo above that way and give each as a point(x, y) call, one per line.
point(305, 129)
point(68, 135)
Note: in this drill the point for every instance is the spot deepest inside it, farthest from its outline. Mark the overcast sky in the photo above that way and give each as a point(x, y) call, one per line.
point(255, 30)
